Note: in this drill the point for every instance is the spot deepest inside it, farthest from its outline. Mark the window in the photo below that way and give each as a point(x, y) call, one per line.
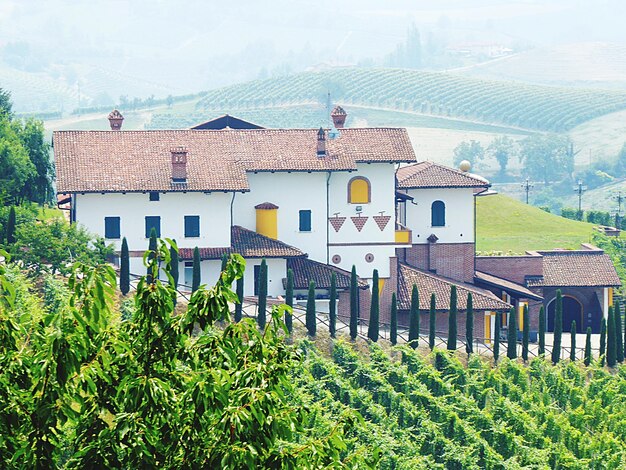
point(154, 196)
point(153, 222)
point(305, 220)
point(111, 227)
point(188, 274)
point(192, 226)
point(359, 190)
point(438, 214)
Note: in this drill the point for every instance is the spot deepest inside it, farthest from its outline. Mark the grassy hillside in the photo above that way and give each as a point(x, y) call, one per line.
point(431, 412)
point(505, 224)
point(433, 93)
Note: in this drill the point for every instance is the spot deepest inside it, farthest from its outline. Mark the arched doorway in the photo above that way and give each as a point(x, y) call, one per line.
point(572, 311)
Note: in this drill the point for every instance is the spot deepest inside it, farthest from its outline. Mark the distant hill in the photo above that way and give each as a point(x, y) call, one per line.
point(431, 93)
point(590, 64)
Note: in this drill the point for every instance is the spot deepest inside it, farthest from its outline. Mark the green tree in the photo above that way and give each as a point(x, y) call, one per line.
point(239, 303)
point(174, 270)
point(289, 301)
point(11, 227)
point(432, 321)
point(511, 350)
point(542, 331)
point(311, 312)
point(393, 328)
point(38, 187)
point(588, 347)
point(224, 262)
point(471, 151)
point(496, 337)
point(124, 268)
point(373, 329)
point(611, 343)
point(525, 333)
point(196, 278)
point(414, 318)
point(452, 320)
point(619, 333)
point(354, 304)
point(558, 328)
point(16, 167)
point(152, 246)
point(469, 325)
point(547, 157)
point(502, 148)
point(602, 341)
point(261, 317)
point(6, 105)
point(332, 306)
point(572, 353)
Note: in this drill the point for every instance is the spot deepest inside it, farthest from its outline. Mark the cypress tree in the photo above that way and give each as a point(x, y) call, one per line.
point(311, 320)
point(496, 339)
point(452, 325)
point(469, 325)
point(224, 262)
point(525, 333)
point(432, 319)
point(511, 350)
point(11, 226)
point(332, 307)
point(414, 318)
point(372, 331)
point(393, 329)
point(239, 305)
point(542, 331)
point(262, 301)
point(572, 353)
point(152, 246)
point(124, 268)
point(610, 339)
point(558, 328)
point(289, 301)
point(619, 334)
point(174, 265)
point(602, 341)
point(354, 304)
point(588, 347)
point(197, 276)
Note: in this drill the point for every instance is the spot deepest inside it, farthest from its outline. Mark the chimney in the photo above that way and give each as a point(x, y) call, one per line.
point(179, 165)
point(321, 143)
point(339, 117)
point(115, 120)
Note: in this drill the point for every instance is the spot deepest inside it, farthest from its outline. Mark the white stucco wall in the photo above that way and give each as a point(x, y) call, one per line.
point(213, 209)
point(459, 226)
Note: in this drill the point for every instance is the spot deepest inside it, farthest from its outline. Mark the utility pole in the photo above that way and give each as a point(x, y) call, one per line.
point(527, 186)
point(580, 189)
point(619, 197)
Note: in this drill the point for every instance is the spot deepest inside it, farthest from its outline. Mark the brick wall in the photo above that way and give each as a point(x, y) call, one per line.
point(512, 268)
point(453, 260)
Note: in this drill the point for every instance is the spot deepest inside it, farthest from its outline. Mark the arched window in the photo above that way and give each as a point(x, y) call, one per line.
point(359, 190)
point(438, 214)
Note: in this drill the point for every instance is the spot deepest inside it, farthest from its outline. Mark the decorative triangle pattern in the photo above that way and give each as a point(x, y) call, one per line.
point(337, 222)
point(382, 221)
point(359, 222)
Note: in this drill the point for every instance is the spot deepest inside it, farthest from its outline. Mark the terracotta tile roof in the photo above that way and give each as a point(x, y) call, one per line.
point(428, 283)
point(248, 244)
point(581, 268)
point(105, 161)
point(433, 175)
point(506, 285)
point(305, 270)
point(266, 205)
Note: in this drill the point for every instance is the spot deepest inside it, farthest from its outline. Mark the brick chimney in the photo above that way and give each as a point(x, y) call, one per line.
point(321, 143)
point(115, 120)
point(339, 117)
point(179, 165)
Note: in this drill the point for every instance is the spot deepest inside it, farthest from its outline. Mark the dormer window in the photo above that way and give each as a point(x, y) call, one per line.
point(359, 190)
point(438, 214)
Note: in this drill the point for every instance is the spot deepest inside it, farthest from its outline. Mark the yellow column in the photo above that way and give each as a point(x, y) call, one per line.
point(610, 292)
point(267, 220)
point(488, 327)
point(521, 315)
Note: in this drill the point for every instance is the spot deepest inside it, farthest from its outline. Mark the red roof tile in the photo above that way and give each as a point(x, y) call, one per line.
point(581, 268)
point(433, 175)
point(305, 270)
point(116, 161)
point(504, 284)
point(428, 283)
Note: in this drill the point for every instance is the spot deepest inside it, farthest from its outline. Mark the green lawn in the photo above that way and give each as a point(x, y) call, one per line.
point(505, 224)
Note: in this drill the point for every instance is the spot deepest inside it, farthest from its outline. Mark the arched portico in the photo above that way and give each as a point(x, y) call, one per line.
point(572, 311)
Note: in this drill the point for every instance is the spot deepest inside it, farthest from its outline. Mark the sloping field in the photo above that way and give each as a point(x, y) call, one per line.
point(505, 224)
point(433, 93)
